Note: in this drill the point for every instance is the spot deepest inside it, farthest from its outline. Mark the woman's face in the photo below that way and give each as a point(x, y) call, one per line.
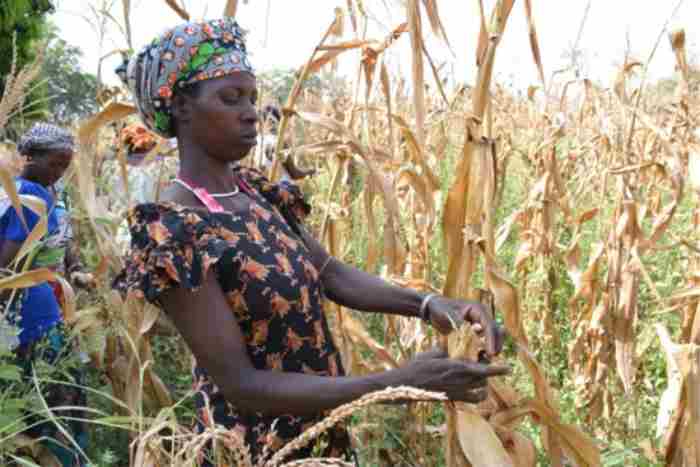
point(224, 116)
point(46, 169)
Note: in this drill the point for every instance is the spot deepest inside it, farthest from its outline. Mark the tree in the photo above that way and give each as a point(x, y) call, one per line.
point(22, 25)
point(25, 20)
point(278, 83)
point(71, 91)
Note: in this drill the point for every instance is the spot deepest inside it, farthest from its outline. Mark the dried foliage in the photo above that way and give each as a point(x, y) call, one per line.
point(419, 186)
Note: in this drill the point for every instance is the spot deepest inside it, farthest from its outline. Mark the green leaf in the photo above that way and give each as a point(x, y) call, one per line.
point(13, 405)
point(162, 121)
point(24, 461)
point(205, 50)
point(10, 373)
point(104, 221)
point(197, 62)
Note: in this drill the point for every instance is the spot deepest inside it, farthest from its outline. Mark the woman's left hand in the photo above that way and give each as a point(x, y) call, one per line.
point(447, 315)
point(83, 280)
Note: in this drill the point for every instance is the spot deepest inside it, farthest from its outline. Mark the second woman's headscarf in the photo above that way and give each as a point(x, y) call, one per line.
point(45, 137)
point(186, 54)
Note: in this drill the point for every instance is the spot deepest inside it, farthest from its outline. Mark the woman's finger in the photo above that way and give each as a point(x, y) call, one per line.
point(431, 354)
point(500, 339)
point(476, 383)
point(490, 334)
point(481, 370)
point(475, 396)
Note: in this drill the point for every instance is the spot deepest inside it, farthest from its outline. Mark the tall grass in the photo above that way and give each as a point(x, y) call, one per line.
point(577, 221)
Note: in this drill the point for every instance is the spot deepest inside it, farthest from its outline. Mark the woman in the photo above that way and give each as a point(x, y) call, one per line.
point(49, 151)
point(228, 259)
point(147, 175)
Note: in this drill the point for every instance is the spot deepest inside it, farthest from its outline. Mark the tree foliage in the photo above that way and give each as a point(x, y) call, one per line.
point(26, 18)
point(71, 91)
point(22, 25)
point(278, 83)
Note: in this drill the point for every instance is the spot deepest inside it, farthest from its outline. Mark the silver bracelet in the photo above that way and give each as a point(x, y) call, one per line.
point(325, 265)
point(423, 312)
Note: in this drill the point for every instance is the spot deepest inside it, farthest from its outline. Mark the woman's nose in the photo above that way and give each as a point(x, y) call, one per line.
point(250, 113)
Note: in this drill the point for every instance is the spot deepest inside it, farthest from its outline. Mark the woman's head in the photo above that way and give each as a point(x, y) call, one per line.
point(271, 117)
point(195, 82)
point(49, 152)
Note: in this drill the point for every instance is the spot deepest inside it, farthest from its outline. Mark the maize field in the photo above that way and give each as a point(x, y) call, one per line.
point(573, 211)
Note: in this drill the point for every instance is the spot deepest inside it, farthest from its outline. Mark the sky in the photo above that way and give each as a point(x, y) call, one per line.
point(283, 33)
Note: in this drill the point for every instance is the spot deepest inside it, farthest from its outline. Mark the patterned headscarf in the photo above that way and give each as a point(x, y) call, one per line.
point(45, 137)
point(186, 54)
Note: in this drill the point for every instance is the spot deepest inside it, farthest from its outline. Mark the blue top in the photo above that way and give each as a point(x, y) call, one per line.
point(40, 310)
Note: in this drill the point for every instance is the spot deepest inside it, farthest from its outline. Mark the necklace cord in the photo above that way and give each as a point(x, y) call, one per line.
point(194, 190)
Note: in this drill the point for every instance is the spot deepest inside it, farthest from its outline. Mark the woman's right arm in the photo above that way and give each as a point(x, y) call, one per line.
point(205, 321)
point(8, 252)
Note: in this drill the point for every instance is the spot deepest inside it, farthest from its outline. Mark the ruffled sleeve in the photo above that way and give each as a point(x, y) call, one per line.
point(286, 196)
point(170, 247)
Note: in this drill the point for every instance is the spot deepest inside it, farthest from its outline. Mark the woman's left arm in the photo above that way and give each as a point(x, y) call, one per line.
point(356, 289)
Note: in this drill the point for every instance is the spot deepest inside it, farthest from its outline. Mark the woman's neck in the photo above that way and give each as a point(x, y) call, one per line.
point(30, 178)
point(202, 170)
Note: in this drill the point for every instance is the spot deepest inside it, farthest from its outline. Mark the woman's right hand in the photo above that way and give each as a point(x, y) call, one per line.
point(460, 380)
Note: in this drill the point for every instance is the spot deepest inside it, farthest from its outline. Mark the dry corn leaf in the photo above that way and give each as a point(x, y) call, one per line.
point(26, 279)
point(464, 209)
point(417, 70)
point(505, 297)
point(371, 52)
point(157, 389)
point(393, 250)
point(292, 98)
point(694, 168)
point(479, 442)
point(464, 344)
point(577, 445)
point(38, 206)
point(671, 397)
point(682, 400)
point(579, 448)
point(332, 52)
point(9, 187)
point(231, 8)
point(113, 112)
point(534, 43)
point(418, 153)
point(386, 90)
point(150, 316)
point(339, 25)
point(522, 450)
point(620, 86)
point(368, 196)
point(85, 320)
point(181, 12)
point(353, 16)
point(677, 39)
point(483, 39)
point(357, 332)
point(69, 305)
point(489, 38)
point(625, 322)
point(431, 8)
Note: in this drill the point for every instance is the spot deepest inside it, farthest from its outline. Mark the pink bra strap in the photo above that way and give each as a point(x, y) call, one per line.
point(203, 195)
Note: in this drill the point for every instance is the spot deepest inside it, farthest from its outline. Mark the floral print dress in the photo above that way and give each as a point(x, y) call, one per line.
point(271, 285)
